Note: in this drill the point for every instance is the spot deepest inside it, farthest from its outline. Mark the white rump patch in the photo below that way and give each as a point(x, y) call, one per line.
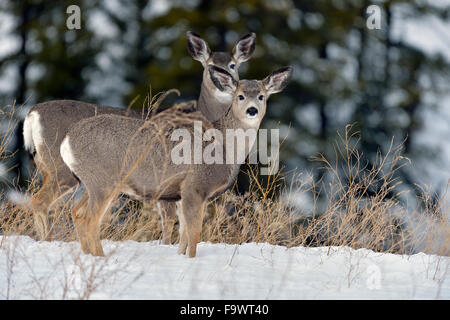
point(223, 97)
point(66, 153)
point(32, 132)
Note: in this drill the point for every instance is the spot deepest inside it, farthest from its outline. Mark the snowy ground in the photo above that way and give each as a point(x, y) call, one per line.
point(132, 270)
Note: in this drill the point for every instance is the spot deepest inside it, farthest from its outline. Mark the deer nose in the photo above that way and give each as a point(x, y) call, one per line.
point(252, 112)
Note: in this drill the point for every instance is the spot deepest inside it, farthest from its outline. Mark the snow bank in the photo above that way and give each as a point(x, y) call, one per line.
point(133, 270)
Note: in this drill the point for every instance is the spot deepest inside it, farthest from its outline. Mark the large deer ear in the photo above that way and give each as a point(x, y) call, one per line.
point(222, 79)
point(278, 80)
point(197, 47)
point(244, 48)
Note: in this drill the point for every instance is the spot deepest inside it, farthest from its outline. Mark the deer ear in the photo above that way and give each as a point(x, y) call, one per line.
point(278, 80)
point(244, 48)
point(197, 47)
point(222, 79)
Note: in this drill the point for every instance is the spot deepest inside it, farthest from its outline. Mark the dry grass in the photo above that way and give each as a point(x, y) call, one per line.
point(356, 205)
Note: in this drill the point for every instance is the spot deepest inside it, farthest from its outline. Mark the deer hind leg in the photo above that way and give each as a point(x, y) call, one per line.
point(56, 210)
point(39, 205)
point(167, 211)
point(87, 216)
point(78, 214)
point(53, 186)
point(192, 211)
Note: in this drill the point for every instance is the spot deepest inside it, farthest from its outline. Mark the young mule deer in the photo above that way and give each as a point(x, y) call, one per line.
point(47, 123)
point(135, 157)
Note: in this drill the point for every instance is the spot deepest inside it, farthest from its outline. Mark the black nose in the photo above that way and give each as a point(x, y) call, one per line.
point(252, 111)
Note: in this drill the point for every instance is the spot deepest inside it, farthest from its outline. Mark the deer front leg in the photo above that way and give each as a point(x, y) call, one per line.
point(192, 204)
point(183, 234)
point(167, 211)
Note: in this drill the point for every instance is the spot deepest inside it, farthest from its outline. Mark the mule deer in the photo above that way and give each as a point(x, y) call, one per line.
point(47, 123)
point(134, 156)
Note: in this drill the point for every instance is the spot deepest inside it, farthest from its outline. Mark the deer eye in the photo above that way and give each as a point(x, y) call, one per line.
point(232, 66)
point(261, 97)
point(241, 97)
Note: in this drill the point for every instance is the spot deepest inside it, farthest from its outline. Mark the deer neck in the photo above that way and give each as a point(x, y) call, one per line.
point(212, 103)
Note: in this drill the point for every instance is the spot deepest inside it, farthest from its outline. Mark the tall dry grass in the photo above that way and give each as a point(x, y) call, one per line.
point(355, 205)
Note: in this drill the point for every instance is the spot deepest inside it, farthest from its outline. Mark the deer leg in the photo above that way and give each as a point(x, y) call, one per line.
point(88, 231)
point(56, 181)
point(192, 210)
point(39, 205)
point(78, 214)
point(87, 217)
point(183, 234)
point(167, 211)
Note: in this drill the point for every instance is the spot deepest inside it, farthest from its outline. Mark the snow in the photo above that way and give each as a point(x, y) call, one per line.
point(149, 270)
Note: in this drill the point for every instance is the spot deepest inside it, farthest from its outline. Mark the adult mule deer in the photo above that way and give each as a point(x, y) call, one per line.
point(135, 157)
point(47, 123)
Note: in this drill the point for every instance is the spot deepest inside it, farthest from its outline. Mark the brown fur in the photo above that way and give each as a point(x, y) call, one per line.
point(114, 154)
point(58, 116)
